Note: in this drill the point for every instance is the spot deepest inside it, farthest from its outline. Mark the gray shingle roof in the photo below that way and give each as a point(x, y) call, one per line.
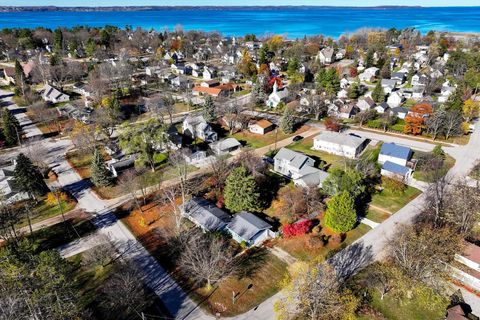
point(247, 225)
point(296, 159)
point(208, 216)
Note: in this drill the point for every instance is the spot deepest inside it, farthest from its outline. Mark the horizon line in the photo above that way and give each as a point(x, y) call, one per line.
point(235, 6)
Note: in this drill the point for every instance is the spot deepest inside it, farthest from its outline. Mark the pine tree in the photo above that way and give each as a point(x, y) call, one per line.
point(58, 41)
point(354, 91)
point(378, 95)
point(209, 109)
point(341, 215)
point(241, 191)
point(27, 177)
point(101, 177)
point(11, 128)
point(288, 121)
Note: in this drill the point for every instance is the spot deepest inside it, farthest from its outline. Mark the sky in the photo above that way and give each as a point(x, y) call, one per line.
point(426, 3)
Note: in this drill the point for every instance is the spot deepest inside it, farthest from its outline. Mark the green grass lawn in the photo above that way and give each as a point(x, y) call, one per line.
point(256, 141)
point(393, 202)
point(61, 233)
point(44, 211)
point(330, 160)
point(376, 215)
point(423, 175)
point(393, 309)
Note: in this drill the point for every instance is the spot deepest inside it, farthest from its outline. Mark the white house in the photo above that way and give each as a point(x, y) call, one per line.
point(9, 192)
point(205, 215)
point(277, 96)
point(369, 74)
point(261, 127)
point(366, 103)
point(225, 146)
point(399, 112)
point(394, 153)
point(339, 143)
point(195, 126)
point(247, 228)
point(395, 99)
point(54, 95)
point(326, 55)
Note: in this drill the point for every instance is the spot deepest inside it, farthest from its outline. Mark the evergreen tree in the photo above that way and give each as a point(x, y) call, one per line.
point(209, 109)
point(101, 176)
point(288, 121)
point(241, 191)
point(11, 128)
point(378, 94)
point(354, 91)
point(58, 41)
point(27, 177)
point(369, 59)
point(341, 215)
point(259, 96)
point(327, 80)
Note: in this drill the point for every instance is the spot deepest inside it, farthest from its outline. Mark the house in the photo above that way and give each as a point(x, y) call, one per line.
point(195, 127)
point(209, 83)
point(382, 108)
point(418, 92)
point(299, 168)
point(83, 89)
point(225, 146)
point(261, 127)
point(51, 94)
point(369, 74)
point(121, 163)
point(396, 171)
point(399, 77)
point(391, 152)
point(347, 111)
point(419, 80)
point(340, 144)
point(344, 83)
point(325, 55)
point(366, 103)
point(399, 112)
point(277, 96)
point(9, 74)
point(249, 229)
point(445, 92)
point(388, 85)
point(205, 215)
point(292, 164)
point(209, 73)
point(180, 82)
point(8, 190)
point(395, 99)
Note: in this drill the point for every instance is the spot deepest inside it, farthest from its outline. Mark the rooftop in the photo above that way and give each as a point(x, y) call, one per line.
point(393, 150)
point(340, 138)
point(247, 225)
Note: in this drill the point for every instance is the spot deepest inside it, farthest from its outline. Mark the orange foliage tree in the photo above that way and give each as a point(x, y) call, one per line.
point(415, 119)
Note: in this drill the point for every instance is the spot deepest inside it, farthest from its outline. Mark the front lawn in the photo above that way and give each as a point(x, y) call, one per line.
point(394, 309)
point(424, 174)
point(43, 210)
point(376, 215)
point(256, 141)
point(257, 280)
point(391, 201)
point(329, 160)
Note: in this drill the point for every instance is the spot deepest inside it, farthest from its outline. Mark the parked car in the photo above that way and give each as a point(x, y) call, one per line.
point(297, 138)
point(268, 160)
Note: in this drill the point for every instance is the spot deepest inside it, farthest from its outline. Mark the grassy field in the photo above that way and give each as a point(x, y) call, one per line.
point(329, 160)
point(393, 309)
point(393, 202)
point(255, 141)
point(376, 215)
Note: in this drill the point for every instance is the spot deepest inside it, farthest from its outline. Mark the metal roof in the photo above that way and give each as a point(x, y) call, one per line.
point(396, 151)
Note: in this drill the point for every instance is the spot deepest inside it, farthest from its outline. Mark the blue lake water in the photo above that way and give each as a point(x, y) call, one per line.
point(294, 22)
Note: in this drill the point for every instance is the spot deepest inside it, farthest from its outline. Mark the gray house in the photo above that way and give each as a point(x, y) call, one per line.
point(195, 126)
point(225, 146)
point(205, 215)
point(247, 228)
point(292, 164)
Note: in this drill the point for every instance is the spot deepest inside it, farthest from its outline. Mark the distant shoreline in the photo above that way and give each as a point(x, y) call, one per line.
point(158, 8)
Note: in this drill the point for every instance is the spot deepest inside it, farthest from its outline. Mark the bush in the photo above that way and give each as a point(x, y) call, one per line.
point(316, 229)
point(52, 199)
point(315, 242)
point(375, 124)
point(335, 240)
point(297, 229)
point(393, 186)
point(438, 152)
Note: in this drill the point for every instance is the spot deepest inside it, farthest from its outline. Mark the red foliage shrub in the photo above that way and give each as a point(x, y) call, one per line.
point(332, 124)
point(297, 229)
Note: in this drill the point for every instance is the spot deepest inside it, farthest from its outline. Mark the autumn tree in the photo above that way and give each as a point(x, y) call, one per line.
point(246, 66)
point(206, 259)
point(415, 119)
point(471, 109)
point(327, 80)
point(144, 138)
point(315, 292)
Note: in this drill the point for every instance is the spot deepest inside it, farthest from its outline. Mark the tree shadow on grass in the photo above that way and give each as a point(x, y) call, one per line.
point(250, 262)
point(351, 260)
